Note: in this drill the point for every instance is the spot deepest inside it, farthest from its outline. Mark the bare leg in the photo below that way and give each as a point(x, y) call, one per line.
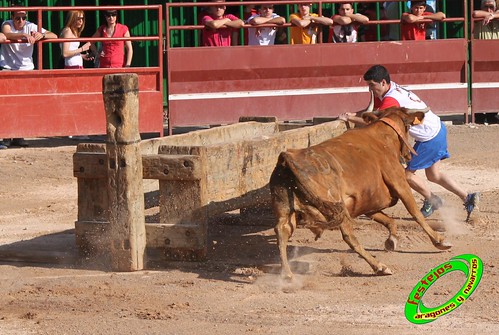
point(435, 176)
point(418, 184)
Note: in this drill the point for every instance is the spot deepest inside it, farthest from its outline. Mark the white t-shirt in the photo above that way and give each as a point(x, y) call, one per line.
point(261, 35)
point(345, 33)
point(431, 124)
point(18, 56)
point(75, 60)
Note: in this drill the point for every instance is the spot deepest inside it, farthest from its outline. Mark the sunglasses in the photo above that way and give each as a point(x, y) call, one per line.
point(80, 18)
point(110, 14)
point(19, 18)
point(489, 7)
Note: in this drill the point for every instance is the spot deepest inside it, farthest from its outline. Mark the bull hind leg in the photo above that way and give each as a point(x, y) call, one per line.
point(390, 224)
point(346, 228)
point(286, 225)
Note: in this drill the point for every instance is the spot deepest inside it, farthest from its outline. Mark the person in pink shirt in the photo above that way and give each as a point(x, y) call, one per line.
point(220, 28)
point(112, 53)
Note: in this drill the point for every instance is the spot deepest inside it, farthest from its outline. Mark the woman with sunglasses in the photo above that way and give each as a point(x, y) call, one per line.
point(71, 51)
point(112, 53)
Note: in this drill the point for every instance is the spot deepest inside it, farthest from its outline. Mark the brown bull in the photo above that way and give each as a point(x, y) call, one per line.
point(359, 172)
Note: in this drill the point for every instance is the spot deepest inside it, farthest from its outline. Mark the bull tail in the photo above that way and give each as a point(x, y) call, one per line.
point(309, 183)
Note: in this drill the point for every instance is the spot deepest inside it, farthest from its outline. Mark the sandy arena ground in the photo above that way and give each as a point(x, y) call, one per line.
point(238, 291)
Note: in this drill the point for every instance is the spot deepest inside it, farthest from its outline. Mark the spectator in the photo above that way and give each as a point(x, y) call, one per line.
point(369, 33)
point(248, 11)
point(412, 27)
point(19, 55)
point(486, 29)
point(264, 35)
point(220, 28)
point(71, 51)
point(305, 25)
point(430, 137)
point(346, 24)
point(394, 11)
point(112, 53)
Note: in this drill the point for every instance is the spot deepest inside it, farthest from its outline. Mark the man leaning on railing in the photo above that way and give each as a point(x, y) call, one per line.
point(19, 56)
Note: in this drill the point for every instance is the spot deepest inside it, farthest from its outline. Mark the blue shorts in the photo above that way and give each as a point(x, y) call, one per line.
point(429, 152)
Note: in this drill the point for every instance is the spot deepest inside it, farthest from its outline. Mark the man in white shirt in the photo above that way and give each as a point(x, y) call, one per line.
point(19, 56)
point(264, 35)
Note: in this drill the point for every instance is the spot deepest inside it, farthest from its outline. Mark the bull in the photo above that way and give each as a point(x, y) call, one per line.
point(327, 185)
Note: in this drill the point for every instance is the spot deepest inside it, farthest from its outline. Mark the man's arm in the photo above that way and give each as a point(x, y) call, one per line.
point(411, 18)
point(262, 20)
point(299, 22)
point(349, 18)
point(48, 34)
point(321, 20)
point(438, 16)
point(7, 31)
point(486, 16)
point(216, 24)
point(43, 35)
point(235, 23)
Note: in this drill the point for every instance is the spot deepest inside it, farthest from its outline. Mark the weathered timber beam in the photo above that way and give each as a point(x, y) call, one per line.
point(92, 165)
point(160, 235)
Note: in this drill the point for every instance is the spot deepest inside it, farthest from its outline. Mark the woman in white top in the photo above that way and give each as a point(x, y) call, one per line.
point(71, 51)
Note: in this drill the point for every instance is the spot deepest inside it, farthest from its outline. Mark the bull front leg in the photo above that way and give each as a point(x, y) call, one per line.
point(411, 206)
point(346, 228)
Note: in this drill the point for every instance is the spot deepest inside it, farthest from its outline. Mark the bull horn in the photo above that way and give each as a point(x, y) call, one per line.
point(370, 108)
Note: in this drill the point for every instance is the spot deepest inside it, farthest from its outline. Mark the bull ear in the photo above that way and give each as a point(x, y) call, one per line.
point(369, 117)
point(416, 118)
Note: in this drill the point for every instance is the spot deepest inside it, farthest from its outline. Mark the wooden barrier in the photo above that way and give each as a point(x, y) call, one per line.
point(201, 174)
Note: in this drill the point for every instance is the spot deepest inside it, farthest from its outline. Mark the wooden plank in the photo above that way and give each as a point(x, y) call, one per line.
point(172, 167)
point(91, 165)
point(188, 236)
point(93, 201)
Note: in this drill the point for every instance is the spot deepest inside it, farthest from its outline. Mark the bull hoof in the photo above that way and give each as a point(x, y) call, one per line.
point(391, 244)
point(383, 270)
point(442, 245)
point(287, 276)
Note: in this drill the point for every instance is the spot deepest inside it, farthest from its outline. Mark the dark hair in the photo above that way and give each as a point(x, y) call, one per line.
point(345, 3)
point(16, 3)
point(418, 3)
point(377, 73)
